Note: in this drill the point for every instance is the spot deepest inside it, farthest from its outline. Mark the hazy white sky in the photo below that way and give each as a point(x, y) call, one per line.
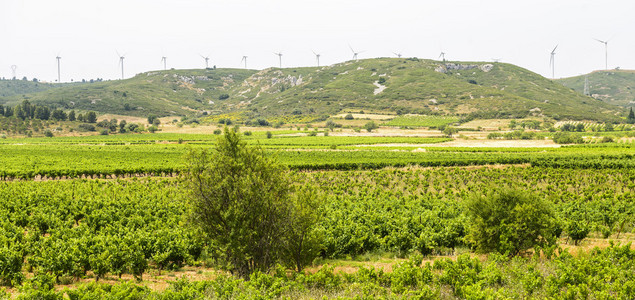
point(88, 33)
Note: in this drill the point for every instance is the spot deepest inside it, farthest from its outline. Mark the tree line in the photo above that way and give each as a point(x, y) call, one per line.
point(28, 111)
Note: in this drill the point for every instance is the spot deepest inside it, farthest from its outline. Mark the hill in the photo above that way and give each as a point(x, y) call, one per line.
point(10, 88)
point(615, 87)
point(412, 85)
point(476, 89)
point(174, 92)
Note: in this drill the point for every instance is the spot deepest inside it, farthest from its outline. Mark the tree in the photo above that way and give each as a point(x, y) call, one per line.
point(241, 199)
point(59, 115)
point(71, 115)
point(509, 222)
point(91, 117)
point(151, 119)
point(631, 117)
point(370, 126)
point(122, 126)
point(449, 131)
point(579, 127)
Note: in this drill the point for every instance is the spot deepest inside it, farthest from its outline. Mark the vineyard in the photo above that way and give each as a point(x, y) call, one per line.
point(71, 229)
point(422, 121)
point(120, 218)
point(163, 154)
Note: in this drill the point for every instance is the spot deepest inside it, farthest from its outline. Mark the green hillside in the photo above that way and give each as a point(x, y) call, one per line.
point(615, 87)
point(10, 88)
point(415, 86)
point(174, 92)
point(392, 85)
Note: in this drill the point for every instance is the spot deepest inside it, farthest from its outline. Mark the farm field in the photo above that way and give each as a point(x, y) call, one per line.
point(78, 231)
point(163, 154)
point(393, 221)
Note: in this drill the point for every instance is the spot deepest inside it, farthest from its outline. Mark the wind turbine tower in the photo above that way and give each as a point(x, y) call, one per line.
point(244, 59)
point(14, 68)
point(121, 58)
point(164, 60)
point(279, 57)
point(442, 56)
point(206, 58)
point(586, 86)
point(59, 80)
point(552, 62)
point(354, 53)
point(317, 58)
point(606, 53)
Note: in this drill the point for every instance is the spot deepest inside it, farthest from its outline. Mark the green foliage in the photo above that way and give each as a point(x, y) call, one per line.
point(303, 240)
point(11, 260)
point(348, 117)
point(422, 121)
point(509, 222)
point(449, 131)
point(90, 117)
point(370, 126)
point(567, 138)
point(240, 198)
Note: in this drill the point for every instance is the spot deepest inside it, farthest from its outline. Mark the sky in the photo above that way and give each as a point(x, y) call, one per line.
point(88, 34)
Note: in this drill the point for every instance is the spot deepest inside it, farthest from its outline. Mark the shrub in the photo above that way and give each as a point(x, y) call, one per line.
point(509, 222)
point(217, 131)
point(48, 133)
point(86, 127)
point(349, 117)
point(370, 126)
point(223, 96)
point(241, 199)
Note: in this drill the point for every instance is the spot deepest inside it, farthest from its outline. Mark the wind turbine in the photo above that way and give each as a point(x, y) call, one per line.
point(552, 62)
point(279, 57)
point(442, 55)
point(606, 53)
point(398, 54)
point(121, 58)
point(244, 59)
point(317, 57)
point(164, 60)
point(14, 68)
point(355, 53)
point(496, 60)
point(58, 68)
point(206, 58)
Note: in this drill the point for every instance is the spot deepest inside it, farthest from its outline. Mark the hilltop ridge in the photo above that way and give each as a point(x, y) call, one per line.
point(396, 85)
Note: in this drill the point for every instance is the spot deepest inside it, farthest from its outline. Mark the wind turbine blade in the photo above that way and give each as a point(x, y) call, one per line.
point(554, 49)
point(349, 46)
point(601, 41)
